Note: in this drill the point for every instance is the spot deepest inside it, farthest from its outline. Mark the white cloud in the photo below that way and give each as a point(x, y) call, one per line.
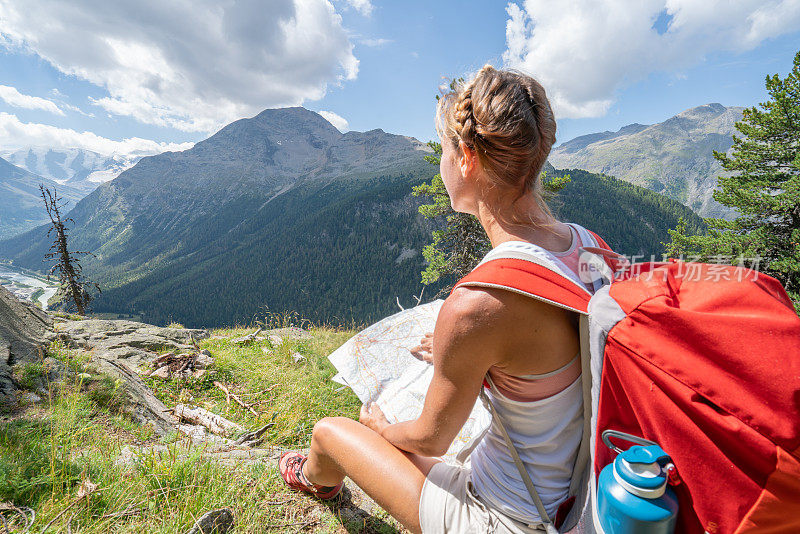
point(16, 134)
point(338, 121)
point(582, 51)
point(362, 6)
point(193, 65)
point(12, 97)
point(375, 42)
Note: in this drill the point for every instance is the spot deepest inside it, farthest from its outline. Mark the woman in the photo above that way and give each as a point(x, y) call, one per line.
point(496, 132)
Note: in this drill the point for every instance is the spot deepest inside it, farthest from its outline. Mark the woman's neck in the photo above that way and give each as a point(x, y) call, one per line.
point(543, 231)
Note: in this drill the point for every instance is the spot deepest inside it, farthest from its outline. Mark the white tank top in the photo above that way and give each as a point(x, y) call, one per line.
point(547, 434)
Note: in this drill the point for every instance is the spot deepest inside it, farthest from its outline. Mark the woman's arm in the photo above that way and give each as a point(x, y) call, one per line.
point(468, 339)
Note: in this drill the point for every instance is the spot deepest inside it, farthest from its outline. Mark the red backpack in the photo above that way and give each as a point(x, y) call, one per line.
point(702, 359)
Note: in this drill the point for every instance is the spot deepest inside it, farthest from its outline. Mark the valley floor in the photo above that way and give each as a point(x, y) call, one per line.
point(75, 435)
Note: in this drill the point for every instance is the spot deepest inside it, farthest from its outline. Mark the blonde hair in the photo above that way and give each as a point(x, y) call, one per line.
point(506, 118)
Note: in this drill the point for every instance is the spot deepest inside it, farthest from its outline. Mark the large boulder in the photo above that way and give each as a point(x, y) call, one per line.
point(128, 342)
point(25, 332)
point(123, 350)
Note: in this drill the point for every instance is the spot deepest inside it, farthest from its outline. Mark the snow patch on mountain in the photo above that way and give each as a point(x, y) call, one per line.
point(79, 168)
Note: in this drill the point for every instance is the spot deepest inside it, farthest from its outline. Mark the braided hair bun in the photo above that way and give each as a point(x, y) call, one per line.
point(506, 118)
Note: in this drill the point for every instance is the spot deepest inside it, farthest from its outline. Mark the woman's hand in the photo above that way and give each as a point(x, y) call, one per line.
point(424, 351)
point(372, 417)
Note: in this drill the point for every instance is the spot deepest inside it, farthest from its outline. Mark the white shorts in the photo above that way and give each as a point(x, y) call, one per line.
point(448, 504)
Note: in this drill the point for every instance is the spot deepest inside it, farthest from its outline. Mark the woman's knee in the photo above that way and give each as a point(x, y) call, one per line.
point(330, 429)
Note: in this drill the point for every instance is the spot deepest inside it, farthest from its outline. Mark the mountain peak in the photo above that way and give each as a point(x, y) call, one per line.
point(295, 117)
point(581, 142)
point(706, 110)
point(674, 157)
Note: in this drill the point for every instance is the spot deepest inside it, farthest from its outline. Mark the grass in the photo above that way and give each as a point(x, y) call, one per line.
point(30, 375)
point(79, 433)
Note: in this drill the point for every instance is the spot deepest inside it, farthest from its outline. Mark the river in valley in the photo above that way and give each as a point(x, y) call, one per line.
point(25, 286)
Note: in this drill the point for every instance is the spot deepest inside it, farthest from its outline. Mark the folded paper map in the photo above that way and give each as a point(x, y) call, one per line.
point(378, 366)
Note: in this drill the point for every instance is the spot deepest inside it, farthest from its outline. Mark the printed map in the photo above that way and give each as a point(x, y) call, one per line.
point(378, 366)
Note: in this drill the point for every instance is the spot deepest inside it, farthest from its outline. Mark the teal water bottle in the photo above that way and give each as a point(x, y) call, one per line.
point(632, 492)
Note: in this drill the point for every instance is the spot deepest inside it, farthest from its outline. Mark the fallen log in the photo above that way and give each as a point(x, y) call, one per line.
point(216, 424)
point(246, 338)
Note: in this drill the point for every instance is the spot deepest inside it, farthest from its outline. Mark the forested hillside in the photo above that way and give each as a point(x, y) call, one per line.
point(632, 219)
point(335, 254)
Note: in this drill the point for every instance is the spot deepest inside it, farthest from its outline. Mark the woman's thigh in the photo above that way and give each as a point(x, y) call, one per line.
point(393, 478)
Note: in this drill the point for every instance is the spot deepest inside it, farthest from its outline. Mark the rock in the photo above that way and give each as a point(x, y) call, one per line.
point(298, 358)
point(161, 372)
point(30, 397)
point(133, 343)
point(204, 359)
point(140, 403)
point(239, 457)
point(124, 349)
point(126, 457)
point(293, 332)
point(275, 340)
point(213, 522)
point(25, 332)
point(197, 433)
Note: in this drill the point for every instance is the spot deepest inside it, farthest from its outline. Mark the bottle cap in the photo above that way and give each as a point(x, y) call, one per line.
point(640, 471)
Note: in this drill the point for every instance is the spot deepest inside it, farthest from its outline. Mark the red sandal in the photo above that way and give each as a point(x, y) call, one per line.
point(291, 467)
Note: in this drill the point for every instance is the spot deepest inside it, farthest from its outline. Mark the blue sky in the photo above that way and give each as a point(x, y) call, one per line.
point(150, 77)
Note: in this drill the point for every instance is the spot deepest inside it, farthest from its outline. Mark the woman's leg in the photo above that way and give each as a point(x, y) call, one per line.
point(342, 447)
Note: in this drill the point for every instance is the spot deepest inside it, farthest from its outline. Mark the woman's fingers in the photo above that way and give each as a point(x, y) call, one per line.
point(364, 415)
point(376, 411)
point(372, 416)
point(424, 351)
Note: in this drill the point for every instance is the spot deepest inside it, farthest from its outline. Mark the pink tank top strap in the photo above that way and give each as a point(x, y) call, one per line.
point(530, 388)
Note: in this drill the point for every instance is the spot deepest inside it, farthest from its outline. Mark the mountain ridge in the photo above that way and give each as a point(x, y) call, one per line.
point(21, 204)
point(78, 168)
point(673, 157)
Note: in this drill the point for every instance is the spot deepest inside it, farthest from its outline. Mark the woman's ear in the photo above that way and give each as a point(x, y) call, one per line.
point(468, 160)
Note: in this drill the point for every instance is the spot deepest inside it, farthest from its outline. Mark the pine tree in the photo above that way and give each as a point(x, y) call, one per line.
point(764, 186)
point(74, 289)
point(459, 246)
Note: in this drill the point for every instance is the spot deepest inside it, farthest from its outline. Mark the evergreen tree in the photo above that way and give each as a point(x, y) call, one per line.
point(459, 246)
point(764, 186)
point(74, 290)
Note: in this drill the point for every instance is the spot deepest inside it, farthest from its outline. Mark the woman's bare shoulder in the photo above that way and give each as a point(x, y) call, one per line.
point(498, 327)
point(487, 314)
point(492, 305)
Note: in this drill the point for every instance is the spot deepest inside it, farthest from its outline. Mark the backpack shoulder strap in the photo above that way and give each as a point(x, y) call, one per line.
point(599, 240)
point(535, 279)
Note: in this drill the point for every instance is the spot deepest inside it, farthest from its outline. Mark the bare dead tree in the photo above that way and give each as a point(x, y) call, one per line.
point(73, 288)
